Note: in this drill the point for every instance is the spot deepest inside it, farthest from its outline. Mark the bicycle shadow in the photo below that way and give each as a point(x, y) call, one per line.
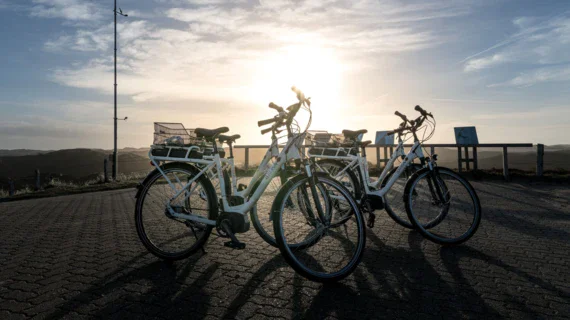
point(390, 282)
point(452, 255)
point(145, 291)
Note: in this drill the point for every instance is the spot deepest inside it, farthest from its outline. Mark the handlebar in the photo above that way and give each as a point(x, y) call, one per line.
point(399, 130)
point(413, 124)
point(276, 107)
point(401, 116)
point(267, 121)
point(285, 117)
point(422, 111)
point(266, 130)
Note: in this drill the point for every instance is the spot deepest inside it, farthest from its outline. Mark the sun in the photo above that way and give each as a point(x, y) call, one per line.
point(314, 70)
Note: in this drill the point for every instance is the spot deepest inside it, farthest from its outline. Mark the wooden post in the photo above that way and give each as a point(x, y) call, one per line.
point(459, 159)
point(105, 172)
point(377, 157)
point(539, 160)
point(246, 158)
point(11, 187)
point(391, 152)
point(467, 166)
point(432, 150)
point(38, 183)
point(475, 162)
point(385, 159)
point(505, 164)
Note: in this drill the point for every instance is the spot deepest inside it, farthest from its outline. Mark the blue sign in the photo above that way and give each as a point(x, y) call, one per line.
point(384, 140)
point(466, 135)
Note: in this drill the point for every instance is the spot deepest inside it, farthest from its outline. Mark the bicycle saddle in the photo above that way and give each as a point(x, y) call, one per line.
point(223, 138)
point(208, 133)
point(353, 134)
point(363, 144)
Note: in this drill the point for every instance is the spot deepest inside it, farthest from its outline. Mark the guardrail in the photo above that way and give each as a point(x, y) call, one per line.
point(460, 159)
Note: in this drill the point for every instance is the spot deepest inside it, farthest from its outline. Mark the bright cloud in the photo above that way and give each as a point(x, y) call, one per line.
point(223, 44)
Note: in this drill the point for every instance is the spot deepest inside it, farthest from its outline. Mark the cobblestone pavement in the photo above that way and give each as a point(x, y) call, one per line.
point(79, 256)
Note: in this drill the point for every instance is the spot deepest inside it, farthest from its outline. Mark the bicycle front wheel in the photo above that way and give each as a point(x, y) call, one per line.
point(394, 198)
point(260, 214)
point(336, 235)
point(442, 206)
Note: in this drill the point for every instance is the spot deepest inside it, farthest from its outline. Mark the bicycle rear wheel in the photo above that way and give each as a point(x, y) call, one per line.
point(336, 240)
point(164, 235)
point(442, 206)
point(339, 171)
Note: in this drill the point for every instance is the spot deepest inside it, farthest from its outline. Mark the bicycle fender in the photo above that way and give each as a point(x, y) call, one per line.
point(163, 167)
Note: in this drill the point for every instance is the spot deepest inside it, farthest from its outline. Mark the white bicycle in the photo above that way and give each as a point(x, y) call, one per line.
point(177, 207)
point(414, 195)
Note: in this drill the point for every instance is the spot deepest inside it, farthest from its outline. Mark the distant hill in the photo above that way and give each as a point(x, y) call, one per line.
point(81, 164)
point(22, 152)
point(71, 164)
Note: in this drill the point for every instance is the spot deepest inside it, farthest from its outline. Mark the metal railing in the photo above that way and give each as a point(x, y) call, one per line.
point(461, 159)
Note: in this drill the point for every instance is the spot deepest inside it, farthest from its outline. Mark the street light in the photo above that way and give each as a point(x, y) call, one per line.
point(115, 154)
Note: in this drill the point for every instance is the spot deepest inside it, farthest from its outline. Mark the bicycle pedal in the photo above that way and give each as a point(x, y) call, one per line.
point(371, 220)
point(235, 245)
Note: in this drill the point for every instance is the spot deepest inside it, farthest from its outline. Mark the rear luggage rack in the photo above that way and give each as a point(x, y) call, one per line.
point(174, 142)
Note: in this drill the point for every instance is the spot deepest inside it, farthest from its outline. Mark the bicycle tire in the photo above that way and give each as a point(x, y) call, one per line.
point(142, 194)
point(429, 233)
point(398, 213)
point(262, 231)
point(356, 186)
point(286, 250)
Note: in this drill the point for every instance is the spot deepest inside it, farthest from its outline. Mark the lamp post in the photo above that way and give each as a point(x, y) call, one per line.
point(115, 154)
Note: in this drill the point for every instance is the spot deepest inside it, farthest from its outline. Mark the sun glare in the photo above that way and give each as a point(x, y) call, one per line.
point(316, 71)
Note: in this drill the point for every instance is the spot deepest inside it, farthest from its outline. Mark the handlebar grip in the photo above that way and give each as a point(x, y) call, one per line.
point(401, 116)
point(419, 109)
point(276, 107)
point(266, 130)
point(264, 122)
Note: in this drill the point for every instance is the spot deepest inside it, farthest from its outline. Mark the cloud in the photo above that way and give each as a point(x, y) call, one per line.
point(535, 46)
point(74, 10)
point(541, 75)
point(224, 46)
point(549, 112)
point(486, 62)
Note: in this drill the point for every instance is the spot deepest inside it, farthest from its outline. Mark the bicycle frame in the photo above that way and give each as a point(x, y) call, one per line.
point(360, 162)
point(288, 152)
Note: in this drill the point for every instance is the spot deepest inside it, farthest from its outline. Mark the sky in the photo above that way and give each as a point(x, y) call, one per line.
point(502, 66)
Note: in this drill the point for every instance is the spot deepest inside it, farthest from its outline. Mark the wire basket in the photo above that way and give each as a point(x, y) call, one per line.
point(174, 134)
point(318, 138)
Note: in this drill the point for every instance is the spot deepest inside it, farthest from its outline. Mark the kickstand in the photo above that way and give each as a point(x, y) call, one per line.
point(234, 243)
point(196, 236)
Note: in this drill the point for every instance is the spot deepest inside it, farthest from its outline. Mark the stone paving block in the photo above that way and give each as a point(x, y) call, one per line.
point(79, 256)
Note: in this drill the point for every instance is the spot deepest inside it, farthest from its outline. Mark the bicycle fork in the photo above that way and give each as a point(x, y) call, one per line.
point(313, 186)
point(437, 187)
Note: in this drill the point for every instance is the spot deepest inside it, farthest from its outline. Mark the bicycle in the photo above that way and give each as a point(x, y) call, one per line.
point(342, 163)
point(344, 158)
point(188, 202)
